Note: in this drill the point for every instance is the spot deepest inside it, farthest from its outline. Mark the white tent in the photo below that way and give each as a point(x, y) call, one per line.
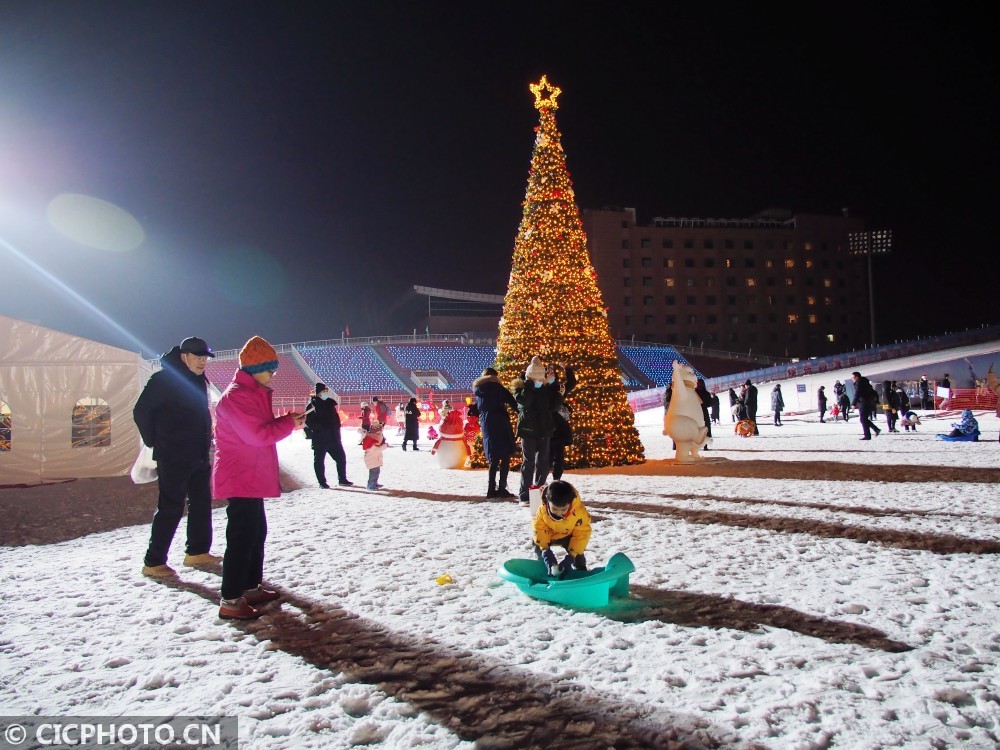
point(65, 405)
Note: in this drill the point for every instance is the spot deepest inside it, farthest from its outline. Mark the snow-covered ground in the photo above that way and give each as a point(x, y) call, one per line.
point(797, 590)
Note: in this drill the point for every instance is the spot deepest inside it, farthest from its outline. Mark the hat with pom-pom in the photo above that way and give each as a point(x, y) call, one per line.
point(536, 370)
point(258, 356)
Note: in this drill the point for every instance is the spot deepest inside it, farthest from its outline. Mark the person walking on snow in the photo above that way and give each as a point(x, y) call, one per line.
point(777, 403)
point(323, 428)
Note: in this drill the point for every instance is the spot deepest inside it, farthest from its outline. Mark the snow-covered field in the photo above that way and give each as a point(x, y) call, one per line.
point(797, 590)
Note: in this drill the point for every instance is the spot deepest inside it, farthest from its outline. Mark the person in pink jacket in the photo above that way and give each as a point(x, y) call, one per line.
point(245, 472)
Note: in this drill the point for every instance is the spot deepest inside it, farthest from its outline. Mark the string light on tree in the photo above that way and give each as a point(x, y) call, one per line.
point(555, 309)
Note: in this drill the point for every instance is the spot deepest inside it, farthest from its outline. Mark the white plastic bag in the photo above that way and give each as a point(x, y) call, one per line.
point(535, 499)
point(144, 468)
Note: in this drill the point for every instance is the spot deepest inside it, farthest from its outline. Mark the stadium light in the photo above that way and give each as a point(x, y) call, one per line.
point(876, 242)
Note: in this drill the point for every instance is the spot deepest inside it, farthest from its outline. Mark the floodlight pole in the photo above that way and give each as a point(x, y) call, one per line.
point(869, 243)
point(871, 296)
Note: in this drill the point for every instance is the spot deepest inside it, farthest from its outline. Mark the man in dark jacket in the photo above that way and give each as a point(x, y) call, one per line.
point(173, 419)
point(323, 428)
point(865, 401)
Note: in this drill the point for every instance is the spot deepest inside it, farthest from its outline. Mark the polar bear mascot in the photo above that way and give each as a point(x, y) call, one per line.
point(684, 420)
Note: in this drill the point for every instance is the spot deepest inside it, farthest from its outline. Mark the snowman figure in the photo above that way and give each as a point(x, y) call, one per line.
point(450, 449)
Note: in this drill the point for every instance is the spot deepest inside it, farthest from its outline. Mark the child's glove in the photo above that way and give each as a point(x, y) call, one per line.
point(551, 566)
point(580, 563)
point(566, 565)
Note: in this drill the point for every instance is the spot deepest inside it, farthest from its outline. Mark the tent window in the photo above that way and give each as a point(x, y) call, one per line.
point(4, 427)
point(91, 423)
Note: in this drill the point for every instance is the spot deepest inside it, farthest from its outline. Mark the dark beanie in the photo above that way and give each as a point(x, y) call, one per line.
point(320, 387)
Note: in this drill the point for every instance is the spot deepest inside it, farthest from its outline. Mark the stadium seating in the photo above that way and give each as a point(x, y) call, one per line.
point(458, 363)
point(655, 362)
point(349, 369)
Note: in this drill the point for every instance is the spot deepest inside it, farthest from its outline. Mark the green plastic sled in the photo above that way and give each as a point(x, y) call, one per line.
point(578, 588)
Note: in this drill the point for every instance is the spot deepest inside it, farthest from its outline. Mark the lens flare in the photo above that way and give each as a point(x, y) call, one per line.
point(249, 276)
point(95, 223)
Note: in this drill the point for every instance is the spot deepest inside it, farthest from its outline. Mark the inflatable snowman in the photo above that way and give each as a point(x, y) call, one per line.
point(450, 449)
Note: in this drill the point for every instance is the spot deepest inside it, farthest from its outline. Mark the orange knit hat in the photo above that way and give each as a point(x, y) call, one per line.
point(258, 356)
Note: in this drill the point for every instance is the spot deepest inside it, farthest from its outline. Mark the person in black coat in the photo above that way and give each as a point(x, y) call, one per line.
point(173, 419)
point(536, 402)
point(865, 401)
point(493, 400)
point(323, 428)
point(750, 404)
point(821, 402)
point(562, 434)
point(715, 408)
point(412, 418)
point(706, 402)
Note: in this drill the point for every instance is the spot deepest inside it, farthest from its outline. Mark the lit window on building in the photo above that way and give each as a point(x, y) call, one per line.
point(789, 281)
point(789, 263)
point(812, 319)
point(809, 264)
point(768, 263)
point(669, 281)
point(793, 318)
point(827, 301)
point(751, 281)
point(729, 263)
point(807, 246)
point(827, 283)
point(810, 301)
point(668, 262)
point(830, 337)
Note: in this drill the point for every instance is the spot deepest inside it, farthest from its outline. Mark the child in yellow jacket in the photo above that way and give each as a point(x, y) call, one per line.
point(562, 521)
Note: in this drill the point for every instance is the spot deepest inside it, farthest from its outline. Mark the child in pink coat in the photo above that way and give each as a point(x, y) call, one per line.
point(245, 472)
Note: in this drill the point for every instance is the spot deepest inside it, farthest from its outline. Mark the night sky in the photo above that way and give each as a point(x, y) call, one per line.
point(295, 167)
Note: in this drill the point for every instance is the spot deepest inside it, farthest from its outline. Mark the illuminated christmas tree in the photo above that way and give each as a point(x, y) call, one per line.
point(554, 308)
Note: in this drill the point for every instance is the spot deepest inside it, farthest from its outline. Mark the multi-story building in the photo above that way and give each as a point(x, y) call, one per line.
point(779, 284)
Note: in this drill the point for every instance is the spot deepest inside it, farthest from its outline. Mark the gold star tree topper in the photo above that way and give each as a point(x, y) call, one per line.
point(540, 89)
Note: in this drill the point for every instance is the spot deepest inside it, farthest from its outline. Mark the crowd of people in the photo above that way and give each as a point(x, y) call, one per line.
point(531, 415)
